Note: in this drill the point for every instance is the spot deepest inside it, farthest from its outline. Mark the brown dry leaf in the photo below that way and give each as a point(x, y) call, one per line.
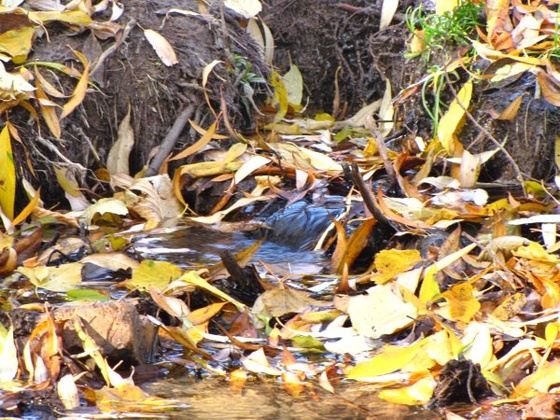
point(550, 88)
point(279, 302)
point(510, 112)
point(162, 47)
point(510, 307)
point(354, 245)
point(498, 20)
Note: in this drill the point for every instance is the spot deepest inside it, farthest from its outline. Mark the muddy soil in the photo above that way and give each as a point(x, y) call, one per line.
point(133, 76)
point(344, 58)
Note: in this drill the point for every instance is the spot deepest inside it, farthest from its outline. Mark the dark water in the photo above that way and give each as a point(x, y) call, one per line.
point(195, 246)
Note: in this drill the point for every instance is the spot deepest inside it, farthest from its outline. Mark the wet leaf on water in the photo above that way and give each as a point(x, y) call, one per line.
point(194, 279)
point(279, 302)
point(257, 362)
point(390, 359)
point(380, 312)
point(152, 273)
point(57, 279)
point(419, 393)
point(392, 262)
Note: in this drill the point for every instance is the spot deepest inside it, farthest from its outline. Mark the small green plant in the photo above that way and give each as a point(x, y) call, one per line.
point(246, 78)
point(439, 32)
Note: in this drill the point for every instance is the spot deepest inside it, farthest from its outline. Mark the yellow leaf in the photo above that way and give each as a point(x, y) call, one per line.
point(430, 288)
point(453, 118)
point(7, 174)
point(74, 17)
point(246, 8)
point(8, 354)
point(418, 394)
point(28, 209)
point(105, 205)
point(478, 347)
point(443, 6)
point(391, 359)
point(48, 112)
point(390, 263)
point(80, 91)
point(57, 279)
point(194, 279)
point(154, 273)
point(293, 81)
point(17, 43)
point(193, 148)
point(162, 47)
point(461, 304)
point(280, 96)
point(546, 376)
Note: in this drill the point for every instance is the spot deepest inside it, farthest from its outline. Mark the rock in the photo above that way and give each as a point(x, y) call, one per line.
point(116, 327)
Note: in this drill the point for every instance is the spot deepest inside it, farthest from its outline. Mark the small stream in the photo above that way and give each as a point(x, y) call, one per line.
point(212, 397)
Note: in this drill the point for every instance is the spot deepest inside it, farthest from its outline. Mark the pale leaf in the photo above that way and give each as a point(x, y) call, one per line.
point(387, 13)
point(380, 312)
point(246, 8)
point(117, 161)
point(162, 47)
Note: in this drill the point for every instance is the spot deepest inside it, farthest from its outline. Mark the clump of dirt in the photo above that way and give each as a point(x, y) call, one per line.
point(322, 37)
point(133, 76)
point(328, 41)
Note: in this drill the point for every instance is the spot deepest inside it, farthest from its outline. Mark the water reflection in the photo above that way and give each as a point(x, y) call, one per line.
point(192, 246)
point(264, 399)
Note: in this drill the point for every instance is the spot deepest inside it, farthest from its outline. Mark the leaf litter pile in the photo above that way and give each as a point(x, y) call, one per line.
point(436, 293)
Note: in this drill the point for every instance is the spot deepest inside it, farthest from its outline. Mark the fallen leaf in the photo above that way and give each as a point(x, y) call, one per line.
point(162, 47)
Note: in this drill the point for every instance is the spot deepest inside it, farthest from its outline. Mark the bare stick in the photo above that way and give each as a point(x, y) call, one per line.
point(170, 139)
